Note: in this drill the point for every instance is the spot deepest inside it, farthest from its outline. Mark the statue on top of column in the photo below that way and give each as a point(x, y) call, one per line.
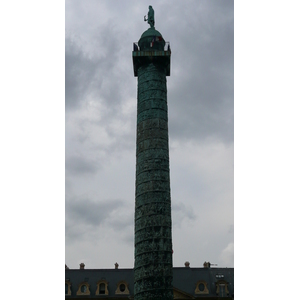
point(150, 17)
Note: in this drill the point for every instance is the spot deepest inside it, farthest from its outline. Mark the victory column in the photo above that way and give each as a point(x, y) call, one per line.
point(153, 266)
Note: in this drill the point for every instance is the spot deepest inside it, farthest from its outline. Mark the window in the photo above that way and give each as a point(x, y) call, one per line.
point(102, 287)
point(83, 289)
point(222, 289)
point(201, 287)
point(122, 288)
point(68, 288)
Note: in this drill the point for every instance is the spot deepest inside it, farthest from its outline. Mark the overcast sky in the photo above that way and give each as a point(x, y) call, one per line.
point(100, 129)
point(100, 136)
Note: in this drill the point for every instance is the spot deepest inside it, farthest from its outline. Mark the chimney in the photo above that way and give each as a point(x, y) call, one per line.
point(116, 265)
point(206, 264)
point(187, 264)
point(82, 266)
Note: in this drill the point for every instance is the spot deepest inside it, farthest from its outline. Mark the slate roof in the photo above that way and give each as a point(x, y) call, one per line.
point(92, 276)
point(184, 279)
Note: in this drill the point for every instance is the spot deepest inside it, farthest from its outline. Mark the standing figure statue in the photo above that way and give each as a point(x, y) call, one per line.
point(150, 17)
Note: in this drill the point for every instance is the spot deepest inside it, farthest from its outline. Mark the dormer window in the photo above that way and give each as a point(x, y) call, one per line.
point(222, 288)
point(84, 289)
point(122, 288)
point(102, 287)
point(68, 288)
point(201, 287)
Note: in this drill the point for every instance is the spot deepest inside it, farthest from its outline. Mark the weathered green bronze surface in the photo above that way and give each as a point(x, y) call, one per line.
point(150, 19)
point(153, 229)
point(160, 58)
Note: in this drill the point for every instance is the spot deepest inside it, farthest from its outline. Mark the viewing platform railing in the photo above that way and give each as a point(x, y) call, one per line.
point(136, 47)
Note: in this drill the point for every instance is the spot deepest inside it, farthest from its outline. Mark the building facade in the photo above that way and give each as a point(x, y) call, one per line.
point(188, 283)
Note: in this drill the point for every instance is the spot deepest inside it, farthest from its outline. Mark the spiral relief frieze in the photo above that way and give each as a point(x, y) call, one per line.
point(153, 226)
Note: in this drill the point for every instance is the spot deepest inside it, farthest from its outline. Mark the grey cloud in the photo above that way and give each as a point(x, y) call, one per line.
point(128, 237)
point(85, 213)
point(89, 66)
point(79, 73)
point(91, 212)
point(95, 72)
point(78, 165)
point(121, 222)
point(200, 92)
point(181, 212)
point(227, 255)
